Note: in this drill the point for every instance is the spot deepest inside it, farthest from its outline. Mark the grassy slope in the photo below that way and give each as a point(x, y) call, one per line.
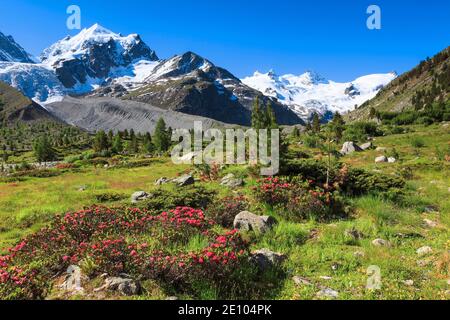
point(313, 248)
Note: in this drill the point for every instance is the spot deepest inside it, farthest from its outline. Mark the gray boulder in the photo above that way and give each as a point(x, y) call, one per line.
point(392, 160)
point(366, 146)
point(247, 221)
point(231, 181)
point(73, 280)
point(162, 181)
point(124, 286)
point(266, 259)
point(381, 243)
point(328, 293)
point(139, 196)
point(184, 181)
point(382, 159)
point(350, 147)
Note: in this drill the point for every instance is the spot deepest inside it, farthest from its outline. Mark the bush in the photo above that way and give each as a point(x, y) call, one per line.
point(136, 242)
point(164, 199)
point(223, 211)
point(297, 200)
point(360, 131)
point(360, 182)
point(417, 142)
point(110, 197)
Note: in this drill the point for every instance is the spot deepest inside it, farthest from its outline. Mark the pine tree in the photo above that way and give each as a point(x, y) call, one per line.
point(161, 138)
point(117, 145)
point(43, 150)
point(316, 123)
point(337, 126)
point(271, 119)
point(101, 141)
point(256, 115)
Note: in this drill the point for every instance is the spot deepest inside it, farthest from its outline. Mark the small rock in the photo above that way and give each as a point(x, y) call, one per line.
point(350, 147)
point(408, 283)
point(381, 159)
point(381, 243)
point(231, 182)
point(139, 196)
point(248, 221)
point(82, 188)
point(266, 259)
point(354, 234)
point(423, 251)
point(162, 181)
point(392, 160)
point(173, 298)
point(366, 146)
point(328, 293)
point(430, 209)
point(73, 280)
point(300, 281)
point(184, 181)
point(430, 223)
point(126, 287)
point(325, 278)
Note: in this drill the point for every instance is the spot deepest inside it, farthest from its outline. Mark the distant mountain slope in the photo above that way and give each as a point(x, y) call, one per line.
point(11, 51)
point(15, 106)
point(36, 81)
point(106, 113)
point(424, 85)
point(311, 93)
point(191, 84)
point(94, 55)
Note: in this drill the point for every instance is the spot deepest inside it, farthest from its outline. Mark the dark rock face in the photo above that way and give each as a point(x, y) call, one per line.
point(193, 85)
point(352, 91)
point(11, 51)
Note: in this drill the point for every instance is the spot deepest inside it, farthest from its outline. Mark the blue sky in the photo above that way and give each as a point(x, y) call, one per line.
point(289, 36)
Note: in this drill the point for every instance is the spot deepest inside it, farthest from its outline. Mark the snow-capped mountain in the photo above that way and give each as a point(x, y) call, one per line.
point(310, 92)
point(36, 81)
point(11, 51)
point(94, 56)
point(191, 84)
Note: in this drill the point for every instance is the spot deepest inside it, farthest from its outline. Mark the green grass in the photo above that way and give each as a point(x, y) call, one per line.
point(321, 252)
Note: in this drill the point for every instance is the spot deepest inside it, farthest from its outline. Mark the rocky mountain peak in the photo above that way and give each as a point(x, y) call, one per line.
point(92, 55)
point(11, 51)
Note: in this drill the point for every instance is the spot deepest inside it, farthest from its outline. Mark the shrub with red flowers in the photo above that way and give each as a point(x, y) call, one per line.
point(297, 199)
point(132, 241)
point(224, 210)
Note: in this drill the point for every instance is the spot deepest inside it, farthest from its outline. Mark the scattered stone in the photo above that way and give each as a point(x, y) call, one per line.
point(392, 160)
point(266, 259)
point(247, 221)
point(173, 298)
point(354, 234)
point(139, 196)
point(325, 278)
point(126, 287)
point(381, 243)
point(408, 283)
point(381, 149)
point(162, 181)
point(73, 280)
point(231, 181)
point(350, 147)
point(335, 266)
point(430, 209)
point(430, 223)
point(423, 263)
point(366, 146)
point(300, 281)
point(82, 188)
point(328, 293)
point(184, 181)
point(423, 251)
point(381, 159)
